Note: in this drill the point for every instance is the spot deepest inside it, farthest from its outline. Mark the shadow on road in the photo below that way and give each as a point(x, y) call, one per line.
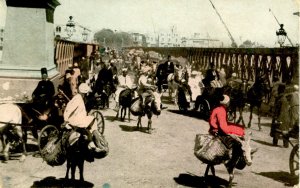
point(262, 142)
point(113, 118)
point(189, 114)
point(110, 118)
point(53, 182)
point(191, 180)
point(283, 177)
point(127, 128)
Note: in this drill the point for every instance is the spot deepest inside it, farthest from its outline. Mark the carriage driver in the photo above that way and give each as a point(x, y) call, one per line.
point(76, 116)
point(124, 83)
point(145, 87)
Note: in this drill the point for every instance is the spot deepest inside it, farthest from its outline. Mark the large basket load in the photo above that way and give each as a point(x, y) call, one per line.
point(103, 145)
point(135, 108)
point(210, 149)
point(54, 153)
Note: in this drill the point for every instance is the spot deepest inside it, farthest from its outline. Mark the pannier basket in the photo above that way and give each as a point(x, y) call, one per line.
point(54, 152)
point(103, 145)
point(135, 107)
point(210, 149)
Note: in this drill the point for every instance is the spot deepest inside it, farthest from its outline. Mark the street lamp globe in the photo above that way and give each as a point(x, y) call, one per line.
point(281, 34)
point(70, 27)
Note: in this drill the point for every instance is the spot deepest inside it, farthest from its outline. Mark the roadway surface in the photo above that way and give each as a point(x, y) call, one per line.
point(162, 159)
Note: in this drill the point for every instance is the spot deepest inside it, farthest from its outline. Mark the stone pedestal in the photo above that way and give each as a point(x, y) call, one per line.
point(28, 43)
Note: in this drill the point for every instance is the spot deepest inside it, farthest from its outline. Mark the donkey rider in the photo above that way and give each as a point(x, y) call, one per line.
point(230, 134)
point(124, 83)
point(146, 89)
point(76, 116)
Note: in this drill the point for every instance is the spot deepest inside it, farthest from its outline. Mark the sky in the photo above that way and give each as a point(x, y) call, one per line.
point(246, 19)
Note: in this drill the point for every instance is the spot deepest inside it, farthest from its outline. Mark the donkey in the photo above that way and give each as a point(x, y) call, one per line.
point(125, 100)
point(10, 129)
point(225, 155)
point(77, 152)
point(153, 106)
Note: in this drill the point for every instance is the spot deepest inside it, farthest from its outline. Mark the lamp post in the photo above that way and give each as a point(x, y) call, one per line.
point(281, 34)
point(70, 27)
point(84, 34)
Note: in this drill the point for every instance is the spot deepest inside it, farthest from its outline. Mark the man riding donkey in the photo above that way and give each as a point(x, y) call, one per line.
point(76, 118)
point(146, 88)
point(230, 134)
point(125, 82)
point(225, 144)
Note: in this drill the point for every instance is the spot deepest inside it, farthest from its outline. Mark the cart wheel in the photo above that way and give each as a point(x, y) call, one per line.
point(100, 120)
point(294, 160)
point(46, 133)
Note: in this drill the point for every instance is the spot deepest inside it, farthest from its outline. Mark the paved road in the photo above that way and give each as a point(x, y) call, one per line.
point(162, 159)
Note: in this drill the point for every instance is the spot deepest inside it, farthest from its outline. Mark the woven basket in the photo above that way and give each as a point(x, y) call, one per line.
point(103, 145)
point(210, 149)
point(135, 107)
point(54, 153)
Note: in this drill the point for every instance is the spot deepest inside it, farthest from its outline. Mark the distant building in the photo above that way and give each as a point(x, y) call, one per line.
point(138, 39)
point(170, 38)
point(197, 41)
point(152, 40)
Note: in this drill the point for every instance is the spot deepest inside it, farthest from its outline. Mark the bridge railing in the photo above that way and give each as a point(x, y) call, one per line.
point(247, 63)
point(67, 52)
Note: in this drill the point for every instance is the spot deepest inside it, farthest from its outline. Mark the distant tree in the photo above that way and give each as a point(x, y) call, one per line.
point(247, 44)
point(109, 38)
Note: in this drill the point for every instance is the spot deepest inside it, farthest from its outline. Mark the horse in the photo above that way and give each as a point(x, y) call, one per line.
point(125, 99)
point(172, 85)
point(255, 96)
point(212, 151)
point(153, 106)
point(174, 79)
point(10, 129)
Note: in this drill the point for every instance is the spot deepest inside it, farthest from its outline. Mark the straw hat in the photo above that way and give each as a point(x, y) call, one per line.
point(124, 69)
point(233, 74)
point(194, 72)
point(296, 87)
point(84, 88)
point(225, 100)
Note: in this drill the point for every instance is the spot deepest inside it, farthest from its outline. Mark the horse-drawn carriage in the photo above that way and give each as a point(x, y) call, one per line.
point(21, 117)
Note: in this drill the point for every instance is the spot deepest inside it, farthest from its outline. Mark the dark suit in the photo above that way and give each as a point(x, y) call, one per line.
point(43, 93)
point(105, 78)
point(169, 67)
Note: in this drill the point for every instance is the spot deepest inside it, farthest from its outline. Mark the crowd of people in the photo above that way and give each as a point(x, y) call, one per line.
point(128, 70)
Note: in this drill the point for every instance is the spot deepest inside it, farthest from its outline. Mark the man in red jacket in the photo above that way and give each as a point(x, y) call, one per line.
point(218, 121)
point(232, 135)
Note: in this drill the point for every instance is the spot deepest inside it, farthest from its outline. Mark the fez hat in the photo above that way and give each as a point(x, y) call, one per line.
point(44, 71)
